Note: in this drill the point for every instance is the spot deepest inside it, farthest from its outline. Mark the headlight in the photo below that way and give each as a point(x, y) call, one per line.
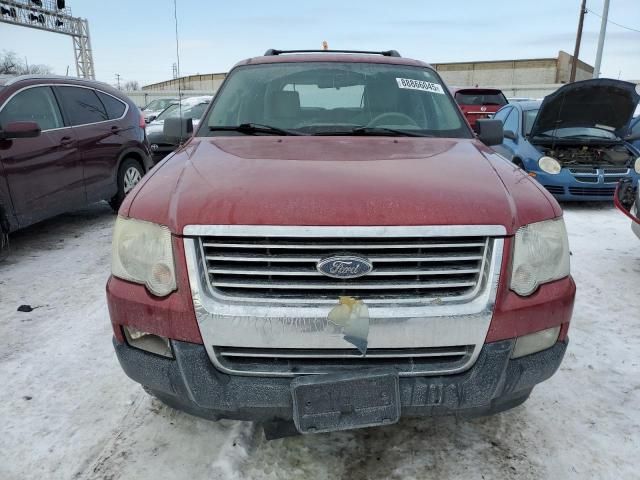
point(540, 255)
point(549, 165)
point(142, 253)
point(636, 166)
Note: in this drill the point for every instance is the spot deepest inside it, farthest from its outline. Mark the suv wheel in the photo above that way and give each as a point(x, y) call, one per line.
point(129, 175)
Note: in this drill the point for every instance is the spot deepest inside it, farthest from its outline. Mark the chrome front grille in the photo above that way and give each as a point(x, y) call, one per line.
point(599, 175)
point(403, 267)
point(288, 362)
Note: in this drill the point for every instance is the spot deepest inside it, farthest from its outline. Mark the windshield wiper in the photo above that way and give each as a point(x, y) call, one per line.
point(373, 131)
point(252, 129)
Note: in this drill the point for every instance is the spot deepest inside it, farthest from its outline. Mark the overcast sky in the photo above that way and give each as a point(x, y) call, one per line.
point(136, 38)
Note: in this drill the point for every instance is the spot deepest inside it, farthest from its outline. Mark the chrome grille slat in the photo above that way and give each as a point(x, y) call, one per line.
point(301, 258)
point(333, 246)
point(316, 273)
point(342, 286)
point(342, 353)
point(421, 267)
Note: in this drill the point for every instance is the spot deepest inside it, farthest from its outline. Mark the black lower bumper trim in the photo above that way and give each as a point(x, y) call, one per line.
point(191, 383)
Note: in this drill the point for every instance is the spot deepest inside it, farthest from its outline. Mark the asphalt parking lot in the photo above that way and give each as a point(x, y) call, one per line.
point(69, 411)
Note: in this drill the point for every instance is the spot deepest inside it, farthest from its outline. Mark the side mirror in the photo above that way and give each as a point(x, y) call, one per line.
point(151, 118)
point(178, 129)
point(20, 130)
point(510, 135)
point(490, 131)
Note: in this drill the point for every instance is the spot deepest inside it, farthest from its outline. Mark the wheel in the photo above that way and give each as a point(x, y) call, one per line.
point(129, 175)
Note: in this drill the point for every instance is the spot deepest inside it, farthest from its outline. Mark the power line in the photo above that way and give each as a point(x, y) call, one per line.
point(614, 23)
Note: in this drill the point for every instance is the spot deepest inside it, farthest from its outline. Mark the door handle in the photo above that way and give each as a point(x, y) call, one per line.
point(66, 141)
point(115, 129)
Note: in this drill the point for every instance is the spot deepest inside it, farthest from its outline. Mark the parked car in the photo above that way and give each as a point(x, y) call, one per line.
point(333, 247)
point(65, 142)
point(155, 107)
point(627, 200)
point(572, 141)
point(192, 108)
point(477, 103)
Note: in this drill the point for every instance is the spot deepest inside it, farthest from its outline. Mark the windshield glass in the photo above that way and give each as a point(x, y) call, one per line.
point(529, 117)
point(194, 112)
point(159, 104)
point(480, 97)
point(328, 97)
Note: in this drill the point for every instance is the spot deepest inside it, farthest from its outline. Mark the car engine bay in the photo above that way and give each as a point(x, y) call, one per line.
point(614, 155)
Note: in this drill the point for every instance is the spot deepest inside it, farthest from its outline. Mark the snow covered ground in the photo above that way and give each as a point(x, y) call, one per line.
point(68, 411)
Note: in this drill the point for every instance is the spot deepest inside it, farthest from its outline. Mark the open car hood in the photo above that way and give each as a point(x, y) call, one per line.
point(604, 103)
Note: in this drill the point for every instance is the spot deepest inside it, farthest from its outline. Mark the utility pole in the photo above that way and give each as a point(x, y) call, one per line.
point(118, 80)
point(603, 32)
point(576, 51)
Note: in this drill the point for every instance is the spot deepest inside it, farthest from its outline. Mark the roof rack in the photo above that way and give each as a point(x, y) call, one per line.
point(387, 53)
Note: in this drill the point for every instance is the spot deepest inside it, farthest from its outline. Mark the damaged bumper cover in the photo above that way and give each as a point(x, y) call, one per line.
point(190, 382)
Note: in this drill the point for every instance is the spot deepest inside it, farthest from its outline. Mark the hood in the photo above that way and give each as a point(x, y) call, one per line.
point(604, 103)
point(265, 180)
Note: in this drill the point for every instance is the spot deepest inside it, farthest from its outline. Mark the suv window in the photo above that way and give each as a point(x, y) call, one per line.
point(336, 97)
point(82, 105)
point(115, 108)
point(33, 105)
point(480, 97)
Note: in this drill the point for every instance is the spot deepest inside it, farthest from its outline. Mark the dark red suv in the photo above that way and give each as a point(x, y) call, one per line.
point(64, 143)
point(478, 103)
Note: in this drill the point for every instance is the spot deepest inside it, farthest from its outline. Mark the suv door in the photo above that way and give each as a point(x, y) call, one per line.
point(43, 174)
point(95, 116)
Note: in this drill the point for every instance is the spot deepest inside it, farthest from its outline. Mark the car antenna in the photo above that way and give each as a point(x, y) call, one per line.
point(175, 16)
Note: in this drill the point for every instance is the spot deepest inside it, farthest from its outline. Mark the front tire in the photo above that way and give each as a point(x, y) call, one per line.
point(129, 175)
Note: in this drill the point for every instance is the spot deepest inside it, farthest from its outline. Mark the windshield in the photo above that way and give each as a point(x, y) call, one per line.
point(332, 97)
point(194, 112)
point(159, 104)
point(480, 97)
point(529, 118)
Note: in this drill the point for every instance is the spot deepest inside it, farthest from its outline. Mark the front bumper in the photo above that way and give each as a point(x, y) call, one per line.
point(565, 187)
point(190, 382)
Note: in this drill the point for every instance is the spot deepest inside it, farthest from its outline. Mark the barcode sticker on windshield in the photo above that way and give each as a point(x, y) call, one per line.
point(420, 85)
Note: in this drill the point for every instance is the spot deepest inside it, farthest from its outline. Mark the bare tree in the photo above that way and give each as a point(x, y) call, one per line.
point(10, 64)
point(131, 86)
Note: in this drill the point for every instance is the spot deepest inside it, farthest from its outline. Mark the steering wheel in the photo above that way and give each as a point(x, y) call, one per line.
point(384, 118)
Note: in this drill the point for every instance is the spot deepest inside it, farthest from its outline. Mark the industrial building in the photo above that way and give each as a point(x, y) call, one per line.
point(537, 71)
point(209, 82)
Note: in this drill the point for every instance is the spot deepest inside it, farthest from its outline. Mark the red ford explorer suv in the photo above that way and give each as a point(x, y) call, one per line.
point(333, 248)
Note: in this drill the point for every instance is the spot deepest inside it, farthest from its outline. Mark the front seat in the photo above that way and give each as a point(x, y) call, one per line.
point(283, 109)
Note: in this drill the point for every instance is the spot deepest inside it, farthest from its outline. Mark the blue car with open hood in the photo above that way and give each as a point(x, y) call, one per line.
point(576, 141)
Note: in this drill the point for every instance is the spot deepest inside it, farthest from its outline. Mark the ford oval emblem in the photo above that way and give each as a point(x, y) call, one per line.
point(344, 266)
